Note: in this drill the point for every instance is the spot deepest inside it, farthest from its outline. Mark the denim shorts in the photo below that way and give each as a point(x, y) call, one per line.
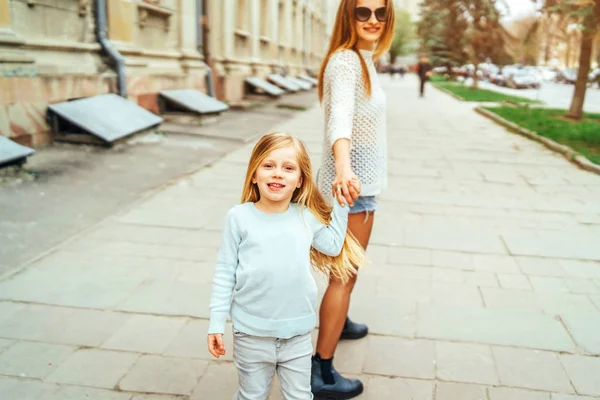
point(364, 203)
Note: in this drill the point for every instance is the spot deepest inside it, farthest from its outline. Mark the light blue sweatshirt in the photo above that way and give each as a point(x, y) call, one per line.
point(264, 264)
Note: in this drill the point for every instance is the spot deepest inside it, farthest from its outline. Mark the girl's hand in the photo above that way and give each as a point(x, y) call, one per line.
point(215, 345)
point(345, 187)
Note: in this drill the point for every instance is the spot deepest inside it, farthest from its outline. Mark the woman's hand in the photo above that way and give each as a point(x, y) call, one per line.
point(346, 186)
point(215, 345)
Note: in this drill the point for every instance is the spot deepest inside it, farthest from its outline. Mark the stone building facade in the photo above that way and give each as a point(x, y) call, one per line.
point(49, 51)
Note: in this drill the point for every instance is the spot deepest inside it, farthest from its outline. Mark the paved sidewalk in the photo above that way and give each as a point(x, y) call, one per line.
point(484, 283)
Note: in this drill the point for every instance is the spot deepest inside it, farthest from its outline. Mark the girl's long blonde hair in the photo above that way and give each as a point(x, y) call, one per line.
point(352, 256)
point(345, 37)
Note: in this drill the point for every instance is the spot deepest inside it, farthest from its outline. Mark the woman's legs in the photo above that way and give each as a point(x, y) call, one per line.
point(336, 300)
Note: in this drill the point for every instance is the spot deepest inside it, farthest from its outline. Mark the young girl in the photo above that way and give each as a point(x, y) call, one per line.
point(263, 276)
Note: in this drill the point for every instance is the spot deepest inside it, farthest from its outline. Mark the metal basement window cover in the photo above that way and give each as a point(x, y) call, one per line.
point(190, 100)
point(284, 83)
point(303, 84)
point(264, 86)
point(308, 79)
point(109, 117)
point(11, 151)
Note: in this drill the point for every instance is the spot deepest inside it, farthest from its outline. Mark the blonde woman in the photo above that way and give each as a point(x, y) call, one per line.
point(263, 275)
point(354, 146)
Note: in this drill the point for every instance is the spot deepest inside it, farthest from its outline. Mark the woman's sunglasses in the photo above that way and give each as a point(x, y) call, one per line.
point(363, 14)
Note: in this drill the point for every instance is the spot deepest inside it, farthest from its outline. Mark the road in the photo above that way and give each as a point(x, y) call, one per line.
point(554, 95)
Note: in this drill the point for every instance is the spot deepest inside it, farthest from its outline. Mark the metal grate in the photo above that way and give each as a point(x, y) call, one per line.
point(12, 152)
point(108, 117)
point(262, 86)
point(190, 100)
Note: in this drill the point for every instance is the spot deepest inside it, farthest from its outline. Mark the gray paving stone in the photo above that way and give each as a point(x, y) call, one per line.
point(33, 360)
point(154, 374)
point(78, 393)
point(96, 368)
point(551, 303)
point(581, 269)
point(447, 275)
point(8, 309)
point(584, 373)
point(400, 357)
point(350, 356)
point(500, 264)
point(401, 272)
point(404, 255)
point(503, 393)
point(20, 389)
point(86, 327)
point(560, 396)
point(480, 278)
point(452, 259)
point(514, 281)
point(531, 369)
point(503, 327)
point(385, 316)
point(33, 322)
point(548, 284)
point(582, 285)
point(145, 334)
point(467, 240)
point(459, 391)
point(553, 244)
point(170, 298)
point(157, 397)
point(455, 295)
point(541, 266)
point(585, 329)
point(219, 381)
point(5, 344)
point(379, 387)
point(462, 362)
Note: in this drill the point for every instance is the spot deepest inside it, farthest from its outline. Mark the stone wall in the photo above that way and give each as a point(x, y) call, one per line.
point(49, 52)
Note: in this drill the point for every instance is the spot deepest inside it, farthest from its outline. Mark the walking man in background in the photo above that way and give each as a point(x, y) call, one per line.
point(424, 71)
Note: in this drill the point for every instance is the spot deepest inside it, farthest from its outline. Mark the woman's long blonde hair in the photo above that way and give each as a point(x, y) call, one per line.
point(352, 257)
point(345, 37)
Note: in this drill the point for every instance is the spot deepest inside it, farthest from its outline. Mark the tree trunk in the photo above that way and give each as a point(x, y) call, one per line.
point(585, 56)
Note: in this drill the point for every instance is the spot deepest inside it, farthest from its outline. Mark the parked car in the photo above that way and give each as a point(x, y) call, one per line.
point(567, 75)
point(548, 74)
point(594, 78)
point(522, 79)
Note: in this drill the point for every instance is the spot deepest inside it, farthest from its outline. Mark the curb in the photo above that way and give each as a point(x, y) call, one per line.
point(441, 89)
point(566, 151)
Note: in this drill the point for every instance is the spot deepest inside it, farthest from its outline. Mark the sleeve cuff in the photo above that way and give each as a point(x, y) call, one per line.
point(217, 324)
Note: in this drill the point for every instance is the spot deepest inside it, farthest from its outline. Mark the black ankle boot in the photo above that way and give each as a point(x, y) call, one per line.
point(341, 388)
point(353, 331)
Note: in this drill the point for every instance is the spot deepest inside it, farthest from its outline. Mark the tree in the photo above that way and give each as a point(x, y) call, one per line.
point(485, 35)
point(404, 35)
point(442, 30)
point(586, 13)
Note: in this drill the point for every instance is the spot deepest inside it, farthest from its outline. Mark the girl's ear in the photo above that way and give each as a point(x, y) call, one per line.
point(300, 182)
point(254, 179)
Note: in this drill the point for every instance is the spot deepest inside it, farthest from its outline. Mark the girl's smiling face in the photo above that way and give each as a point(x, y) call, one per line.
point(277, 177)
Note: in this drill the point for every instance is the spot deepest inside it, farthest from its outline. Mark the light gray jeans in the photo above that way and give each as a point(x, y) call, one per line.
point(257, 359)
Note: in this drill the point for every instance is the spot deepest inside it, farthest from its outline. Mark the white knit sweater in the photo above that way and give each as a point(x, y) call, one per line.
point(350, 113)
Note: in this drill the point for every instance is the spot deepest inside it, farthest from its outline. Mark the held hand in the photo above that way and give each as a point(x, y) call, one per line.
point(215, 345)
point(346, 187)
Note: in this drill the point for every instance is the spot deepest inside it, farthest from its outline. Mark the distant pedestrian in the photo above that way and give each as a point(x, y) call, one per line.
point(424, 71)
point(263, 273)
